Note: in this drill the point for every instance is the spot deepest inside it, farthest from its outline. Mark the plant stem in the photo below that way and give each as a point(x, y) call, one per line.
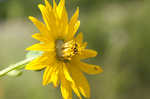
point(15, 66)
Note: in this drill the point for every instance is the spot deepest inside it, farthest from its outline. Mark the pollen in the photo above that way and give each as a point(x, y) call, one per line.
point(70, 49)
point(66, 50)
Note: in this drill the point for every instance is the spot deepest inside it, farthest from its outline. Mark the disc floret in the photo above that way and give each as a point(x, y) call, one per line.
point(66, 50)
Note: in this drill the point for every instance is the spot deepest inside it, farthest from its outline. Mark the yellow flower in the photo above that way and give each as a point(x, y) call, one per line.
point(62, 51)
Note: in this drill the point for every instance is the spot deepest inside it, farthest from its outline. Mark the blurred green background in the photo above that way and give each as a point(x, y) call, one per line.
point(118, 29)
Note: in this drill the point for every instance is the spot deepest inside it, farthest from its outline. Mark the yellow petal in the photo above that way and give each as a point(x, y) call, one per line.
point(64, 16)
point(48, 6)
point(48, 16)
point(79, 38)
point(38, 24)
point(80, 81)
point(37, 64)
point(90, 69)
point(75, 89)
point(41, 27)
point(44, 14)
point(54, 4)
point(41, 61)
point(55, 75)
point(35, 67)
point(63, 19)
point(66, 73)
point(41, 47)
point(84, 44)
point(76, 27)
point(73, 25)
point(65, 88)
point(51, 73)
point(49, 19)
point(87, 53)
point(47, 75)
point(60, 8)
point(75, 17)
point(40, 37)
point(73, 29)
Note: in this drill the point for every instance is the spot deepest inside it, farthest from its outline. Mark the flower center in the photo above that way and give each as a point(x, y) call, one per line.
point(66, 50)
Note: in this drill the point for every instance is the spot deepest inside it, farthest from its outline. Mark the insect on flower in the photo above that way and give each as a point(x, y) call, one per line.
point(62, 51)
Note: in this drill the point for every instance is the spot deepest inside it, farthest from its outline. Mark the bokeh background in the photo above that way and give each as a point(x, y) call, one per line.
point(118, 29)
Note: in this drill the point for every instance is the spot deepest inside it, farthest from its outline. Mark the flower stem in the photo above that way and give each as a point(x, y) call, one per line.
point(15, 66)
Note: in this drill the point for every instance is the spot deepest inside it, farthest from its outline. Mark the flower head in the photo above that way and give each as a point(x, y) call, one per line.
point(62, 51)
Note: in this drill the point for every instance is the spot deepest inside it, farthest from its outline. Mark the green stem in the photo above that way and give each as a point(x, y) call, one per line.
point(15, 66)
